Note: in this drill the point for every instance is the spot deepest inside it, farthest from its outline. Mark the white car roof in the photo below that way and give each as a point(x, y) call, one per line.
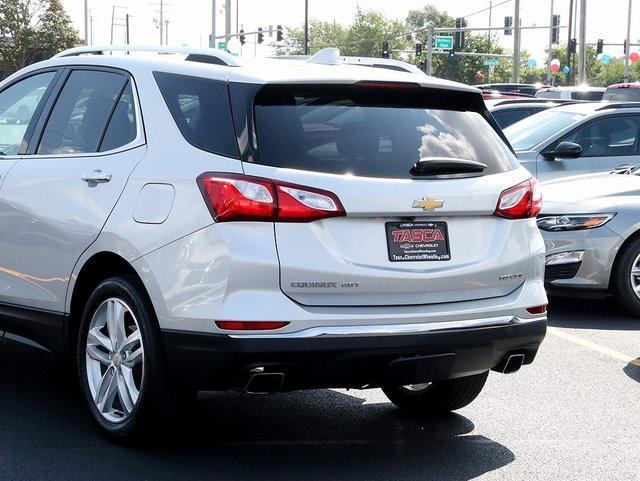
point(247, 70)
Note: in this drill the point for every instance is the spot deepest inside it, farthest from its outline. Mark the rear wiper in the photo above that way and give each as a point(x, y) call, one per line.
point(444, 166)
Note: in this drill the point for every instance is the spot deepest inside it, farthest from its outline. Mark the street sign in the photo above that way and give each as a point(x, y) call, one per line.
point(444, 42)
point(222, 45)
point(491, 62)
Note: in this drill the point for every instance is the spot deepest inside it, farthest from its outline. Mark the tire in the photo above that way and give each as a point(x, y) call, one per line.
point(437, 397)
point(135, 399)
point(623, 285)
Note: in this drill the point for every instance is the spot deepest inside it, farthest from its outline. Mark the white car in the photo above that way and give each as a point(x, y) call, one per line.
point(571, 93)
point(191, 221)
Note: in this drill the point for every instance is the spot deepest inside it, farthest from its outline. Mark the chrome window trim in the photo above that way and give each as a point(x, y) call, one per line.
point(392, 329)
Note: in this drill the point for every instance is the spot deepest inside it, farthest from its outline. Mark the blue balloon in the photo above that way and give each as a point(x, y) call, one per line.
point(606, 58)
point(566, 70)
point(532, 63)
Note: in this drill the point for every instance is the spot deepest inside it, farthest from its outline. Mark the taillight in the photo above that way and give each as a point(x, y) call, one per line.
point(251, 325)
point(234, 197)
point(522, 201)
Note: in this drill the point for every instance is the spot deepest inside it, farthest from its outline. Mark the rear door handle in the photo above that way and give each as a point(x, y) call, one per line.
point(96, 177)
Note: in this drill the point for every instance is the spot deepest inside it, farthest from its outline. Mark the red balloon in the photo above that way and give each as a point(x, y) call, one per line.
point(555, 68)
point(634, 56)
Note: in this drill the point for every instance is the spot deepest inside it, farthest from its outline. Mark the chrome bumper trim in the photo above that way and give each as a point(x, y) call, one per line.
point(392, 329)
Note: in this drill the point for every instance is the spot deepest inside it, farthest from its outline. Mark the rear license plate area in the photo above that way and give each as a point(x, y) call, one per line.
point(417, 241)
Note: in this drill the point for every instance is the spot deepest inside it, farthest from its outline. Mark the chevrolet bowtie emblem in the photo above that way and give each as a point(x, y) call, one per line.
point(427, 204)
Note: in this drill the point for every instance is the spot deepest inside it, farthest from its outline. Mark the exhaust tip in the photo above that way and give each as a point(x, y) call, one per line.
point(265, 383)
point(514, 363)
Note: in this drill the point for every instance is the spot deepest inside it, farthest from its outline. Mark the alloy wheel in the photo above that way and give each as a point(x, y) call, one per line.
point(635, 276)
point(114, 360)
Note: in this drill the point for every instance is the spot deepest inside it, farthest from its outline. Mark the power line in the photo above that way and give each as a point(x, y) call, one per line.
point(486, 9)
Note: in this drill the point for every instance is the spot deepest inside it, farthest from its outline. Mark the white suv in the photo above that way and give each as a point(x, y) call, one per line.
point(185, 222)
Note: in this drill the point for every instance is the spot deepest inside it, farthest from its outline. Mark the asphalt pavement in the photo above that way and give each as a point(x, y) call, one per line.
point(572, 415)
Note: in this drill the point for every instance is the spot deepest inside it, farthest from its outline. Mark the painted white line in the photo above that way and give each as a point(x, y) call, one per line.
point(593, 346)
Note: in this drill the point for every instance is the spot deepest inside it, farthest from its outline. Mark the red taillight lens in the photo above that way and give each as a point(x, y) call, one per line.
point(250, 325)
point(232, 197)
point(537, 309)
point(521, 201)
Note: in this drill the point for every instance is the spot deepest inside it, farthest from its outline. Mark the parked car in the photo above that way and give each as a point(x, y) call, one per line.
point(513, 88)
point(571, 93)
point(577, 139)
point(624, 92)
point(591, 228)
point(510, 111)
point(263, 228)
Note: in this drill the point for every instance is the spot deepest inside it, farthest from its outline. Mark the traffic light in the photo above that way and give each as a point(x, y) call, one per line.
point(385, 49)
point(260, 35)
point(508, 24)
point(555, 31)
point(572, 45)
point(418, 49)
point(458, 39)
point(279, 33)
point(243, 39)
point(599, 46)
point(626, 46)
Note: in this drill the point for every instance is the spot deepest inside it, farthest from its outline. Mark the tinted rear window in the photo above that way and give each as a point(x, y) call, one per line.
point(200, 108)
point(624, 94)
point(368, 132)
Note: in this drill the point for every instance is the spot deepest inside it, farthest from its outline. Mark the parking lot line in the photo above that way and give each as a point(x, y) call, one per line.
point(594, 346)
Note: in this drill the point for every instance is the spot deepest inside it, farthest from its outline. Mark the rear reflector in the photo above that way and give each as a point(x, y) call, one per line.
point(522, 201)
point(234, 197)
point(537, 309)
point(250, 325)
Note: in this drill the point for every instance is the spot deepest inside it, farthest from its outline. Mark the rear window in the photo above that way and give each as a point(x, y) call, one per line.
point(587, 95)
point(201, 110)
point(369, 132)
point(549, 94)
point(624, 94)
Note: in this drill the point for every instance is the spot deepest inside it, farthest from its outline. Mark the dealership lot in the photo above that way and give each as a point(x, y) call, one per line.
point(571, 415)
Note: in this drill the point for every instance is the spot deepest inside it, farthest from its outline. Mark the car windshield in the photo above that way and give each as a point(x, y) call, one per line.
point(529, 132)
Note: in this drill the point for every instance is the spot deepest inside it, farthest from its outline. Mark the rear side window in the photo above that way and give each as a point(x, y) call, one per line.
point(510, 116)
point(81, 113)
point(371, 132)
point(623, 94)
point(122, 125)
point(200, 108)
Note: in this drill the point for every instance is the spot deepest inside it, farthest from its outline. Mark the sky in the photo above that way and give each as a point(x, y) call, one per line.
point(190, 20)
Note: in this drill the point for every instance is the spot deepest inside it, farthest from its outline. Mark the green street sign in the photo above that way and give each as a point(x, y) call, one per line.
point(444, 42)
point(491, 62)
point(222, 45)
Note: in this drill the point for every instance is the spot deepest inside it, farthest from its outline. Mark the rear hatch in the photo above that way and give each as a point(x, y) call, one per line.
point(406, 236)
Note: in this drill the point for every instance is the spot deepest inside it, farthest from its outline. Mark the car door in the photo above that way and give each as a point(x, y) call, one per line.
point(56, 199)
point(607, 142)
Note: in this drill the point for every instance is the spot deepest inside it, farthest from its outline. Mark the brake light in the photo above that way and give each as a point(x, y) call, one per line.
point(522, 201)
point(234, 197)
point(250, 325)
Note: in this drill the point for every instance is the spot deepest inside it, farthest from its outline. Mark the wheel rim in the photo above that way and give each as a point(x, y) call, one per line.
point(635, 276)
point(114, 360)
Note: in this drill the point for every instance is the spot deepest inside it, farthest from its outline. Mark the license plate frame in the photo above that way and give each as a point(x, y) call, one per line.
point(418, 241)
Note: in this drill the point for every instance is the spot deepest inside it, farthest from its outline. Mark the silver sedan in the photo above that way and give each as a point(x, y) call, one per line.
point(591, 228)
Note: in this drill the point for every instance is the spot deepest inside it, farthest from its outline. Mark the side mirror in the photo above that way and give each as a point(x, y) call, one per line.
point(564, 150)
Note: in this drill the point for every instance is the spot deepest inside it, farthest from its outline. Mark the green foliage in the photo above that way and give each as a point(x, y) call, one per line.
point(34, 30)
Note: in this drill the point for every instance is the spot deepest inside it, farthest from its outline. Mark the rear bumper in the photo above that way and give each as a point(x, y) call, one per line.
point(356, 359)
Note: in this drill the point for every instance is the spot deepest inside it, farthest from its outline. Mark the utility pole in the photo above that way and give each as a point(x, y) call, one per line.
point(237, 16)
point(91, 29)
point(306, 27)
point(161, 24)
point(86, 22)
point(166, 32)
point(212, 38)
point(569, 34)
point(113, 15)
point(516, 43)
point(489, 40)
point(227, 19)
point(429, 69)
point(626, 57)
point(582, 60)
point(550, 56)
point(127, 29)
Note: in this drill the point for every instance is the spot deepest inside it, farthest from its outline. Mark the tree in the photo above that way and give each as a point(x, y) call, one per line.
point(34, 30)
point(363, 38)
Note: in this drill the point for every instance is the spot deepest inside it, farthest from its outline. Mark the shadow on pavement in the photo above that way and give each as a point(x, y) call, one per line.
point(45, 433)
point(632, 369)
point(590, 314)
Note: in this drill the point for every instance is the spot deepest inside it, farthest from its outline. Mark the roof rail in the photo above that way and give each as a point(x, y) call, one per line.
point(619, 105)
point(207, 55)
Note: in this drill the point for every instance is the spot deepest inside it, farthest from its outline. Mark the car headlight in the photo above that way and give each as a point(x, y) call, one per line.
point(554, 223)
